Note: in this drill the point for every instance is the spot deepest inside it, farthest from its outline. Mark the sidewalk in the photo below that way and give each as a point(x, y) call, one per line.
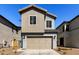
point(39, 52)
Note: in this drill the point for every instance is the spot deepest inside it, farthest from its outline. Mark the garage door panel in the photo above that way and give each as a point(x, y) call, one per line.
point(43, 43)
point(38, 43)
point(48, 41)
point(32, 43)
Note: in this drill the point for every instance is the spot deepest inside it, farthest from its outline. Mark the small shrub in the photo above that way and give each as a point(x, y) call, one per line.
point(2, 53)
point(64, 52)
point(3, 50)
point(15, 52)
point(59, 49)
point(70, 48)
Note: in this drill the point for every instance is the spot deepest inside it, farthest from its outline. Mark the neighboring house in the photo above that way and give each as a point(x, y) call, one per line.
point(38, 30)
point(8, 31)
point(68, 34)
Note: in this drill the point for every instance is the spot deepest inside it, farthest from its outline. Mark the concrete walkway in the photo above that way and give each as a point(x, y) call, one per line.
point(39, 52)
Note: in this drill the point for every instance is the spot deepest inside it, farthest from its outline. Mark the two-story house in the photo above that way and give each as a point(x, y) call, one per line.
point(38, 30)
point(68, 33)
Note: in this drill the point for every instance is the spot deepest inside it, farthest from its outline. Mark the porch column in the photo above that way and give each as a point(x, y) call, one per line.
point(24, 39)
point(54, 41)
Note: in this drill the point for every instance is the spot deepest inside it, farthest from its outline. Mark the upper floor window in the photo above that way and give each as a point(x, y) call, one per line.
point(48, 24)
point(63, 28)
point(32, 19)
point(67, 28)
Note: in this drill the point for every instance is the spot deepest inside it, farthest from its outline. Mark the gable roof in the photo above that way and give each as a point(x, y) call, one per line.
point(6, 22)
point(64, 22)
point(41, 10)
point(32, 6)
point(68, 21)
point(73, 18)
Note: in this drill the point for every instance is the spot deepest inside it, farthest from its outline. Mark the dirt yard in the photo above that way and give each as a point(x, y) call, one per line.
point(67, 51)
point(61, 50)
point(8, 51)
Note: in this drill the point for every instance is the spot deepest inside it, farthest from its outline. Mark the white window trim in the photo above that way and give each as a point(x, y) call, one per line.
point(50, 19)
point(65, 27)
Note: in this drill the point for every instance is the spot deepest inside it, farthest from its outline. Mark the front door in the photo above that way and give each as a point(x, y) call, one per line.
point(62, 41)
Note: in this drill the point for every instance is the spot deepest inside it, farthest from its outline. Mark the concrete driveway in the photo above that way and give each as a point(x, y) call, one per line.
point(39, 52)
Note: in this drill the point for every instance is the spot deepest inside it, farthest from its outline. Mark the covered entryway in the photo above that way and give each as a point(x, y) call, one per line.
point(62, 41)
point(40, 42)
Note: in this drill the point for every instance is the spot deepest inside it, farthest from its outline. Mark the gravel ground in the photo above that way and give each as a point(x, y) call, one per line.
point(9, 51)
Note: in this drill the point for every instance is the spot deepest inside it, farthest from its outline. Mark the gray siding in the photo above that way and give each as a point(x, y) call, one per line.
point(74, 24)
point(71, 38)
point(8, 31)
point(74, 36)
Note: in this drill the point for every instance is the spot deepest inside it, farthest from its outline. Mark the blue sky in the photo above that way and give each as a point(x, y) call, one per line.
point(64, 12)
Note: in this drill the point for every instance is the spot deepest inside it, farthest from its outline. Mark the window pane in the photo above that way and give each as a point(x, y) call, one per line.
point(49, 24)
point(63, 28)
point(32, 19)
point(67, 28)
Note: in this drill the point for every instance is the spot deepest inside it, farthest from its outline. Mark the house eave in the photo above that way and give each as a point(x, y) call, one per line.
point(44, 11)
